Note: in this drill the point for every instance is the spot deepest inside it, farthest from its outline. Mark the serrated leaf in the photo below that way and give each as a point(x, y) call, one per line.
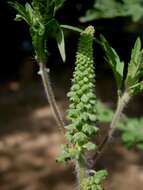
point(135, 69)
point(136, 50)
point(133, 65)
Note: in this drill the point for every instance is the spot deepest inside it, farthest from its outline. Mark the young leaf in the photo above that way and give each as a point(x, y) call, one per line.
point(61, 43)
point(54, 30)
point(21, 10)
point(58, 4)
point(133, 65)
point(113, 59)
point(135, 69)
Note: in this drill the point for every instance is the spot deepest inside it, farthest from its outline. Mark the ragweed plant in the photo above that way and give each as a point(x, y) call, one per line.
point(83, 112)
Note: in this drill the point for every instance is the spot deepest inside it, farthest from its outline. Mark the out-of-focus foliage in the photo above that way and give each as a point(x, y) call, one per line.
point(132, 132)
point(131, 128)
point(105, 113)
point(103, 9)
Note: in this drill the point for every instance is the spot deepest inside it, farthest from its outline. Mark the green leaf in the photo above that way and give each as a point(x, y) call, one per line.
point(18, 17)
point(113, 59)
point(61, 44)
point(30, 12)
point(58, 4)
point(136, 50)
point(135, 70)
point(73, 28)
point(137, 88)
point(133, 65)
point(54, 30)
point(21, 10)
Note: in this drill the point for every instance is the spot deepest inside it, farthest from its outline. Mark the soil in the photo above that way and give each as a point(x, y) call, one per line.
point(30, 142)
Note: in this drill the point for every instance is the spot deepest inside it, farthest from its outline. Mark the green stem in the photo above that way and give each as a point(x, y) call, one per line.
point(122, 102)
point(50, 95)
point(76, 29)
point(81, 174)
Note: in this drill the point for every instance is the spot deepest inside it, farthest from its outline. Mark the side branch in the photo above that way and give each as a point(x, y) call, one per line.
point(50, 95)
point(122, 102)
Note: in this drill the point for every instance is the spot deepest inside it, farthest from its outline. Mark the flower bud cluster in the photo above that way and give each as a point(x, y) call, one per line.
point(82, 108)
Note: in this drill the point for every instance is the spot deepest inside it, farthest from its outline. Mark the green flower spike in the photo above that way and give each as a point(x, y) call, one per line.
point(82, 115)
point(82, 107)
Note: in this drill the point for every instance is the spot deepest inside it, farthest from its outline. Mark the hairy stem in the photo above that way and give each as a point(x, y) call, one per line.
point(50, 95)
point(122, 102)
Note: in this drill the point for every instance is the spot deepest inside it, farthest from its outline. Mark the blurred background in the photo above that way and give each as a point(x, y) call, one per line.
point(29, 138)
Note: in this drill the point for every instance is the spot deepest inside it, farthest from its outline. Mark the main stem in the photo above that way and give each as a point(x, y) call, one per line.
point(122, 102)
point(50, 95)
point(80, 174)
